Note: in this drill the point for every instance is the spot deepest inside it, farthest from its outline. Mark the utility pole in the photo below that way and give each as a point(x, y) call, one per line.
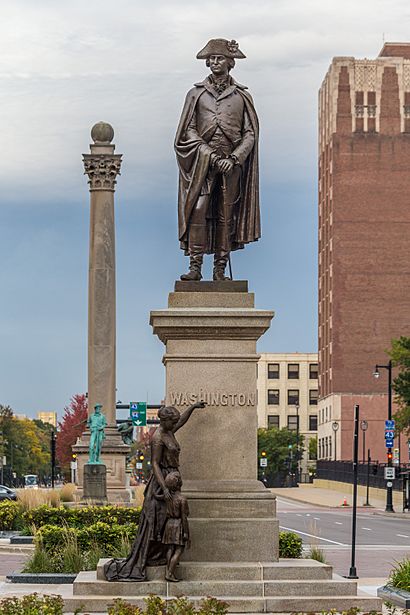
point(353, 572)
point(53, 457)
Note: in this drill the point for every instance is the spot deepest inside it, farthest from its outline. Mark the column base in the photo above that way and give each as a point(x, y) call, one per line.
point(114, 456)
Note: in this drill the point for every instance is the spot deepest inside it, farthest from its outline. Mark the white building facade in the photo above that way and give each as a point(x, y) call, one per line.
point(288, 395)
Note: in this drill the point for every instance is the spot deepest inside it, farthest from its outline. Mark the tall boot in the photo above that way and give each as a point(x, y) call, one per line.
point(195, 266)
point(196, 246)
point(220, 261)
point(222, 248)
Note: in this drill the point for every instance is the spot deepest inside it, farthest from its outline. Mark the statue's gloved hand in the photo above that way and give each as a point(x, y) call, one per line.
point(225, 165)
point(215, 158)
point(199, 404)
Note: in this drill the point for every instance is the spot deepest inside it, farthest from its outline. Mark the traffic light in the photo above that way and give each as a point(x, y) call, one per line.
point(141, 457)
point(263, 453)
point(389, 456)
point(73, 456)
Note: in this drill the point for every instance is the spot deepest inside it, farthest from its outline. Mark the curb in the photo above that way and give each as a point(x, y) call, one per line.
point(382, 513)
point(302, 501)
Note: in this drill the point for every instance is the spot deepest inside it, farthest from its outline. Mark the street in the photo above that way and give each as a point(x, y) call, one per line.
point(380, 540)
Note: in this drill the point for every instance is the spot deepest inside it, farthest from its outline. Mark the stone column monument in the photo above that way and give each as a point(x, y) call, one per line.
point(102, 167)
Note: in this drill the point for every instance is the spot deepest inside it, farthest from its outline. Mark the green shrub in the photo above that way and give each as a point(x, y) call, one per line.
point(80, 517)
point(400, 575)
point(290, 545)
point(108, 538)
point(10, 515)
point(177, 606)
point(32, 603)
point(213, 606)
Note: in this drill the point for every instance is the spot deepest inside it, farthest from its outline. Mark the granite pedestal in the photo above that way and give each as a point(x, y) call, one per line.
point(210, 330)
point(95, 483)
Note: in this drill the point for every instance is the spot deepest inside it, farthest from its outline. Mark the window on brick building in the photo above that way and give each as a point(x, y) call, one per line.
point(273, 397)
point(273, 371)
point(293, 397)
point(293, 371)
point(313, 371)
point(273, 421)
point(293, 421)
point(313, 422)
point(313, 397)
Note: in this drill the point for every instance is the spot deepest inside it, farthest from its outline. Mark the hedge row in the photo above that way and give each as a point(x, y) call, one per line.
point(100, 535)
point(12, 516)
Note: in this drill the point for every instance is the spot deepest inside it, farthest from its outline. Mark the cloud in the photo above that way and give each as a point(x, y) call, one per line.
point(65, 66)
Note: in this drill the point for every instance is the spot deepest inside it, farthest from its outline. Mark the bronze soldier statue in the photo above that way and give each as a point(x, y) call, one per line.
point(216, 147)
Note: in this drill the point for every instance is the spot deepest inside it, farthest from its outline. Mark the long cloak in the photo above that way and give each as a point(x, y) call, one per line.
point(193, 158)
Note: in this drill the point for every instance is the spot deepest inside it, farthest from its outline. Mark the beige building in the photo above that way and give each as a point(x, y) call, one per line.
point(48, 417)
point(287, 393)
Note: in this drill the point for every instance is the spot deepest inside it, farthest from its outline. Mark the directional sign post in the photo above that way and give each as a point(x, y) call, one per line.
point(389, 473)
point(263, 462)
point(138, 413)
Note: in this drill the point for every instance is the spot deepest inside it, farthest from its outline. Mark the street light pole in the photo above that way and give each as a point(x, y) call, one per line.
point(297, 444)
point(376, 374)
point(363, 426)
point(335, 427)
point(53, 457)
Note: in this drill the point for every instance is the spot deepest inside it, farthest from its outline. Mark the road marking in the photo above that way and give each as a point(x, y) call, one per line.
point(299, 514)
point(338, 523)
point(308, 514)
point(402, 535)
point(290, 529)
point(288, 502)
point(317, 518)
point(367, 528)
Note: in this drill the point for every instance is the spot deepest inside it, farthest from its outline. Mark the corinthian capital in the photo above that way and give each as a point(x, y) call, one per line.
point(102, 170)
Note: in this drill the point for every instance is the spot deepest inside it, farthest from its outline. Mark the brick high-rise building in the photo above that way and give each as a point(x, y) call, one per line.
point(364, 241)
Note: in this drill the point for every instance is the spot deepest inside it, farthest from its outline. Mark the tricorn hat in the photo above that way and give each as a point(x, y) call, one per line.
point(220, 47)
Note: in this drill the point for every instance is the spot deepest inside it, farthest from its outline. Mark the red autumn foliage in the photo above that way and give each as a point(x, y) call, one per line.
point(71, 427)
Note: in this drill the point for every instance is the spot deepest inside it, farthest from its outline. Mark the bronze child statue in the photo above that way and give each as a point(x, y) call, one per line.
point(176, 531)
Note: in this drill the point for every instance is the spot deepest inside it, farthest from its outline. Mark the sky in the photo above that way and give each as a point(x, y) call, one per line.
point(67, 65)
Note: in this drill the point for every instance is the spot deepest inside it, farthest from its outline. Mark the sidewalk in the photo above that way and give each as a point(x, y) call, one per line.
point(330, 498)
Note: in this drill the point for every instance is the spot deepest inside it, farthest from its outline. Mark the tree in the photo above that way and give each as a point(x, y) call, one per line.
point(400, 356)
point(24, 444)
point(282, 452)
point(312, 447)
point(70, 428)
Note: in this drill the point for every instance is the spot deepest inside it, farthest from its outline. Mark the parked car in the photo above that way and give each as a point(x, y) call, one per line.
point(7, 494)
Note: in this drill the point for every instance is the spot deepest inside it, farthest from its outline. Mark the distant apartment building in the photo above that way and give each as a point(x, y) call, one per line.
point(48, 417)
point(364, 241)
point(288, 393)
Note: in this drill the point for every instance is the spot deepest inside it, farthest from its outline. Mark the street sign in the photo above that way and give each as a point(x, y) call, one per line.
point(389, 424)
point(389, 473)
point(263, 462)
point(396, 456)
point(138, 465)
point(138, 413)
point(389, 434)
point(389, 484)
point(389, 443)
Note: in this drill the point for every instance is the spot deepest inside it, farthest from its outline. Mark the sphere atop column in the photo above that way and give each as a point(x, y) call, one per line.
point(102, 133)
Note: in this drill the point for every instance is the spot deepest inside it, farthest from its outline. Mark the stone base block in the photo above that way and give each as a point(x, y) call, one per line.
point(233, 540)
point(249, 587)
point(230, 521)
point(95, 483)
